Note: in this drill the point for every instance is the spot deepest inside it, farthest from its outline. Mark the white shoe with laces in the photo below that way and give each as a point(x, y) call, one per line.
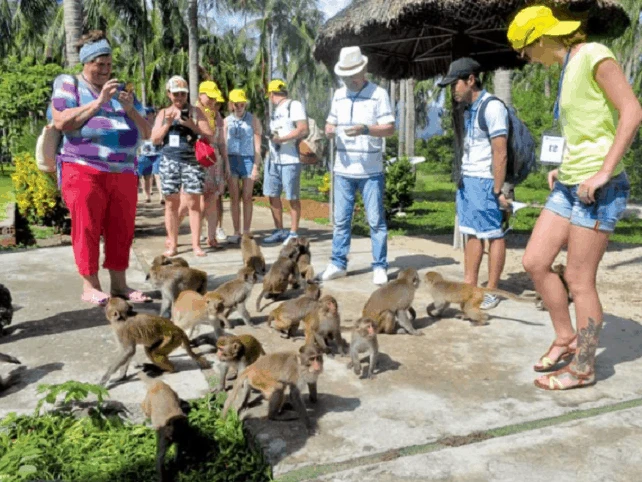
point(220, 235)
point(490, 301)
point(379, 276)
point(333, 272)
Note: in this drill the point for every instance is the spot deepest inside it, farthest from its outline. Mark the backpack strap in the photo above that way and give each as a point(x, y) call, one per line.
point(481, 114)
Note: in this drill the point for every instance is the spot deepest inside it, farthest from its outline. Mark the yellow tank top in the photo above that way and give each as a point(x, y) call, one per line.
point(211, 116)
point(587, 118)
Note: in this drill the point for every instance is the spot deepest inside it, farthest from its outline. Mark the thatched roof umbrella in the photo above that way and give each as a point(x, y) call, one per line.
point(419, 38)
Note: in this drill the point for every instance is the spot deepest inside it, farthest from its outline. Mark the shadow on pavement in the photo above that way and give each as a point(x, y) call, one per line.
point(622, 342)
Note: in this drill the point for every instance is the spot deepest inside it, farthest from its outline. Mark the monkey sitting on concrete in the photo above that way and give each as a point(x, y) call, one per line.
point(172, 279)
point(392, 302)
point(277, 279)
point(289, 314)
point(364, 340)
point(252, 255)
point(323, 326)
point(469, 297)
point(272, 374)
point(237, 352)
point(158, 335)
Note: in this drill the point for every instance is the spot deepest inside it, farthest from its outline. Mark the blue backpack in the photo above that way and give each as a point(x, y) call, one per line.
point(521, 144)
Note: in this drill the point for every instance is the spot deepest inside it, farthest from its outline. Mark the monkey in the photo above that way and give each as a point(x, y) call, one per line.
point(237, 352)
point(252, 256)
point(272, 374)
point(6, 308)
point(276, 281)
point(364, 339)
point(288, 315)
point(323, 324)
point(392, 301)
point(558, 269)
point(158, 335)
point(163, 407)
point(470, 297)
point(232, 295)
point(172, 279)
point(13, 377)
point(167, 261)
point(191, 309)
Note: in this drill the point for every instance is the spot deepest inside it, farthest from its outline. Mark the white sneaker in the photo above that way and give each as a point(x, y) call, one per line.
point(333, 272)
point(490, 301)
point(379, 276)
point(290, 236)
point(234, 239)
point(220, 235)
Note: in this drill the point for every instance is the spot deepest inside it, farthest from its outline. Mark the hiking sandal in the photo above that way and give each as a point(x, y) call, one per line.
point(546, 363)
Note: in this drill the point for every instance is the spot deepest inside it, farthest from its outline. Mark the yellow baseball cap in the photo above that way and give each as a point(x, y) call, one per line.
point(238, 95)
point(531, 23)
point(277, 86)
point(210, 89)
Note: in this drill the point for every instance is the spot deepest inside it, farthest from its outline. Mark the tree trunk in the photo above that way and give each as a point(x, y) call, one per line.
point(502, 85)
point(410, 117)
point(192, 32)
point(547, 85)
point(73, 18)
point(141, 50)
point(402, 119)
point(393, 96)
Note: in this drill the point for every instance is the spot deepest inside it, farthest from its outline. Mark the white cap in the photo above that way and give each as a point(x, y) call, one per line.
point(177, 84)
point(351, 62)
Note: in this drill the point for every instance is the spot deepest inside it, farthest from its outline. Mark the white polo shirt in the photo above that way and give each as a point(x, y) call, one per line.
point(283, 121)
point(360, 156)
point(477, 160)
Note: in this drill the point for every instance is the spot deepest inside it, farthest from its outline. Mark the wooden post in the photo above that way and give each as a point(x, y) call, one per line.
point(401, 151)
point(410, 117)
point(393, 96)
point(331, 167)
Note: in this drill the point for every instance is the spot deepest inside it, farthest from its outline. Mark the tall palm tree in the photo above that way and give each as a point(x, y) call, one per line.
point(192, 28)
point(502, 85)
point(73, 29)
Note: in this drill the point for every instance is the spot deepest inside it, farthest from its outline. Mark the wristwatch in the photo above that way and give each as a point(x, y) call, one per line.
point(366, 130)
point(497, 194)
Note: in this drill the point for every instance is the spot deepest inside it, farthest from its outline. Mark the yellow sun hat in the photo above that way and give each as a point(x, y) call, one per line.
point(238, 95)
point(277, 86)
point(531, 23)
point(210, 89)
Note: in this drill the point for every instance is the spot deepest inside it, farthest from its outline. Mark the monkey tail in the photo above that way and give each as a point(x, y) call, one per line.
point(9, 359)
point(258, 300)
point(233, 394)
point(509, 295)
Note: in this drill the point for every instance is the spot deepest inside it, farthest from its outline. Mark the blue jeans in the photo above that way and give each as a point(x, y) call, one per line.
point(372, 189)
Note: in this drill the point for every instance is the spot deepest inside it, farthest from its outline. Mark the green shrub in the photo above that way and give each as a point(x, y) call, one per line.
point(400, 183)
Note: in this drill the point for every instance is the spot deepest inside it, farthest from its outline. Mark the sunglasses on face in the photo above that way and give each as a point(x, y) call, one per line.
point(179, 94)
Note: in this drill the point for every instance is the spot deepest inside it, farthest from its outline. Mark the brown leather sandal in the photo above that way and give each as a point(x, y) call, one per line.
point(548, 364)
point(554, 383)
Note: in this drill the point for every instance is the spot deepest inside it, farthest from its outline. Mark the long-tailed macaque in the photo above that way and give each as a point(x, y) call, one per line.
point(392, 302)
point(364, 340)
point(172, 279)
point(252, 256)
point(236, 352)
point(276, 281)
point(191, 309)
point(289, 314)
point(323, 326)
point(272, 374)
point(469, 297)
point(233, 295)
point(158, 335)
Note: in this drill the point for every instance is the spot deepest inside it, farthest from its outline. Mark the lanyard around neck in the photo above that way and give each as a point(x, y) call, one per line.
point(556, 109)
point(353, 99)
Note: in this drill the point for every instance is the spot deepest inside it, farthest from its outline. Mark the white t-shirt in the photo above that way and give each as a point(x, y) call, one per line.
point(283, 121)
point(477, 160)
point(360, 156)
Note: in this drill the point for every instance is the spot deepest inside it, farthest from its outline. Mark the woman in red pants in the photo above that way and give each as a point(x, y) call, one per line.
point(102, 124)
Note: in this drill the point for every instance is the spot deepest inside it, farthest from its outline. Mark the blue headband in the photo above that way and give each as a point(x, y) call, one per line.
point(90, 51)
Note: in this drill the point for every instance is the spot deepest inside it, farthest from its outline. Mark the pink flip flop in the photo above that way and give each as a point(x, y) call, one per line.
point(135, 296)
point(95, 297)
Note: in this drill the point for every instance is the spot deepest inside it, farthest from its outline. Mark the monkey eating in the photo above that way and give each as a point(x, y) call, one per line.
point(323, 326)
point(252, 256)
point(272, 374)
point(172, 279)
point(277, 279)
point(237, 352)
point(392, 302)
point(469, 297)
point(158, 335)
point(289, 314)
point(364, 340)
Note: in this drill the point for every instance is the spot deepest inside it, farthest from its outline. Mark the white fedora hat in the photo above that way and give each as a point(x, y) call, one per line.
point(351, 62)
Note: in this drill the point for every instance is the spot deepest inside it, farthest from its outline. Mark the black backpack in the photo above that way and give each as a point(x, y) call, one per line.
point(520, 145)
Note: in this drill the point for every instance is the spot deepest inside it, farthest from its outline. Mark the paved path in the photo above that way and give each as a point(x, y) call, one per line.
point(456, 385)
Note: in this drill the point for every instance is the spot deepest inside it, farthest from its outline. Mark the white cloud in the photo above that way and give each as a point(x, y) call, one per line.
point(332, 7)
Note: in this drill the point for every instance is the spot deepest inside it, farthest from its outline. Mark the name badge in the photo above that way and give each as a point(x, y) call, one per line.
point(552, 149)
point(174, 140)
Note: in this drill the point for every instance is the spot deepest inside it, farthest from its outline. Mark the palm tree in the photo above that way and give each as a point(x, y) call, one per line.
point(192, 28)
point(502, 85)
point(73, 28)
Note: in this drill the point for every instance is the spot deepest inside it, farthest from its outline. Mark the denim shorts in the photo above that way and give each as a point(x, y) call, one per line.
point(602, 215)
point(177, 174)
point(282, 177)
point(478, 208)
point(148, 165)
point(241, 166)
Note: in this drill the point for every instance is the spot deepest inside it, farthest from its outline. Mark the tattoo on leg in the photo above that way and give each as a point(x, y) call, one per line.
point(587, 342)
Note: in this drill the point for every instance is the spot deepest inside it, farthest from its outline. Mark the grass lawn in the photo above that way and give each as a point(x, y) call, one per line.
point(6, 189)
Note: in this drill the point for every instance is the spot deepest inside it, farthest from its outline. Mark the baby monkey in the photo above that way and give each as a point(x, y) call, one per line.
point(469, 297)
point(158, 335)
point(364, 340)
point(237, 352)
point(252, 256)
point(272, 374)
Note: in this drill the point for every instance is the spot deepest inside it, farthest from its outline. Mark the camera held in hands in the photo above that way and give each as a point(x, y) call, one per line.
point(185, 113)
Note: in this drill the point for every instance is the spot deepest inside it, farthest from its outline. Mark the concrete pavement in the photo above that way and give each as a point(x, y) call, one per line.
point(454, 381)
